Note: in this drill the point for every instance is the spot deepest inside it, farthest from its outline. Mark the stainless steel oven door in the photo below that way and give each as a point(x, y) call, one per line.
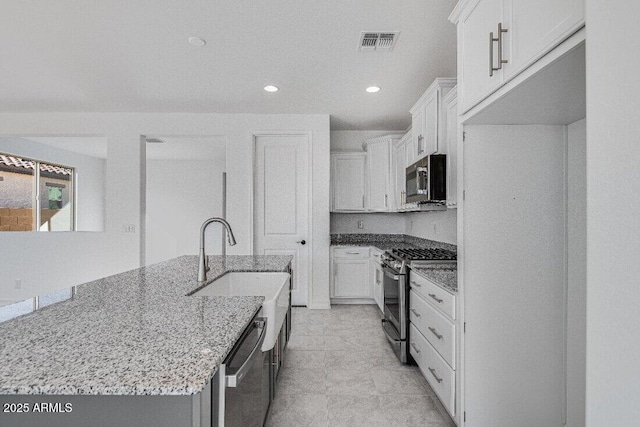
point(395, 300)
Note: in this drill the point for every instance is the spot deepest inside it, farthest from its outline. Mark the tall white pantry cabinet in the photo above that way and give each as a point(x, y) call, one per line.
point(515, 183)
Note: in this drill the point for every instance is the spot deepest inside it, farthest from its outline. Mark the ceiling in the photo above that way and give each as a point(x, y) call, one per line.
point(187, 148)
point(133, 56)
point(93, 146)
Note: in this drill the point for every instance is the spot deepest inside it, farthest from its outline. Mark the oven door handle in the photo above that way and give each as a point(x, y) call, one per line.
point(390, 333)
point(390, 273)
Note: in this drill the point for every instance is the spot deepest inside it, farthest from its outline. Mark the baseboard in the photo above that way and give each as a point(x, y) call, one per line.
point(6, 302)
point(352, 301)
point(319, 306)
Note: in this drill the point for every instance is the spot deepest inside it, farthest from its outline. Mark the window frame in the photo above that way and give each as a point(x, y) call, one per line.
point(36, 195)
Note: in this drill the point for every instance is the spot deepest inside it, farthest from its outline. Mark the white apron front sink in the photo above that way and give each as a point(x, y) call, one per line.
point(273, 286)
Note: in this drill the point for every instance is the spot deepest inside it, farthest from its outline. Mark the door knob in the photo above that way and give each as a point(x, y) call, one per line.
point(302, 242)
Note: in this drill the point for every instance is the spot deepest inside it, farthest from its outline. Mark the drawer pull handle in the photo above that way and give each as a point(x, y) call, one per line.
point(413, 310)
point(433, 372)
point(415, 348)
point(438, 300)
point(353, 253)
point(433, 331)
point(416, 284)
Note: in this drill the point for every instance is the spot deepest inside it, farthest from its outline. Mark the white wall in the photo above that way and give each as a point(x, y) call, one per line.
point(351, 140)
point(376, 223)
point(181, 195)
point(125, 201)
point(613, 206)
point(90, 173)
point(514, 274)
point(440, 226)
point(576, 272)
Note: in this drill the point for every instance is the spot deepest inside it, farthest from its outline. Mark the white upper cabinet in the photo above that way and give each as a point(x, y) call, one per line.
point(348, 182)
point(417, 135)
point(411, 145)
point(451, 109)
point(430, 140)
point(428, 125)
point(537, 28)
point(474, 32)
point(380, 186)
point(498, 39)
point(400, 166)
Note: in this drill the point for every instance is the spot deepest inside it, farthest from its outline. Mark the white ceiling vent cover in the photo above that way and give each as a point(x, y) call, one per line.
point(377, 41)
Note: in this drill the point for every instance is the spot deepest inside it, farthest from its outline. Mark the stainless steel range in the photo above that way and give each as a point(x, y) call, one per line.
point(396, 264)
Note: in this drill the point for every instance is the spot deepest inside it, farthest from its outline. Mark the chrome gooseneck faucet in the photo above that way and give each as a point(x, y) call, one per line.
point(202, 260)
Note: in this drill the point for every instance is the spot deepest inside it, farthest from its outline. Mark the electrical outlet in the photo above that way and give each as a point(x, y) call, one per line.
point(129, 228)
point(361, 224)
point(18, 283)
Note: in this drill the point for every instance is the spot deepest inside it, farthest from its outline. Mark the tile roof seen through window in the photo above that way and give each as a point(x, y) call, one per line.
point(30, 164)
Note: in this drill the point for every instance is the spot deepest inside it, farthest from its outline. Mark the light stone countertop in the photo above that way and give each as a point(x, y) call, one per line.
point(443, 275)
point(134, 333)
point(387, 241)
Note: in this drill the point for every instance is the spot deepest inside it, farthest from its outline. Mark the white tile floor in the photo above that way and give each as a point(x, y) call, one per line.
point(339, 370)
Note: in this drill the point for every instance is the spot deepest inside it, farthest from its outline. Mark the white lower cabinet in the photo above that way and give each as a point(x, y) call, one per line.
point(376, 278)
point(433, 337)
point(350, 268)
point(438, 297)
point(441, 377)
point(438, 330)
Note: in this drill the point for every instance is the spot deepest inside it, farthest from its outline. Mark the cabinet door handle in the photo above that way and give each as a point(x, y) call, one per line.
point(363, 201)
point(491, 67)
point(385, 200)
point(433, 331)
point(416, 284)
point(420, 139)
point(413, 310)
point(499, 40)
point(415, 348)
point(435, 298)
point(433, 372)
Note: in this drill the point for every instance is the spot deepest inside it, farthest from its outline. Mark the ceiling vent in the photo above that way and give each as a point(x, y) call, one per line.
point(378, 42)
point(154, 141)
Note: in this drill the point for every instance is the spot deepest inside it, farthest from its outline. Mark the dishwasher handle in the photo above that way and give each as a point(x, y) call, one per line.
point(234, 379)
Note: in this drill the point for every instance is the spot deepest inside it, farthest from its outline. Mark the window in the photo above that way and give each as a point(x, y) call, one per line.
point(35, 196)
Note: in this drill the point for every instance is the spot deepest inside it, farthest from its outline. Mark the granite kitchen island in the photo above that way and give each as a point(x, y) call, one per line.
point(139, 336)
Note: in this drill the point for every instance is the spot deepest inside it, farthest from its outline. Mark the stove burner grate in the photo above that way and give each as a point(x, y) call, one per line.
point(425, 254)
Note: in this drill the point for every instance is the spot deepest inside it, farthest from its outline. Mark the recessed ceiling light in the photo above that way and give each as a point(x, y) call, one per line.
point(372, 89)
point(271, 88)
point(197, 41)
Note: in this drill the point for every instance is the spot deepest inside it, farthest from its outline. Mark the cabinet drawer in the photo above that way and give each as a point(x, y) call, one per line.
point(440, 376)
point(351, 252)
point(375, 255)
point(437, 329)
point(434, 294)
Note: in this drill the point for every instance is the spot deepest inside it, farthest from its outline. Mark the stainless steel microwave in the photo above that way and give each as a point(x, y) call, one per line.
point(427, 180)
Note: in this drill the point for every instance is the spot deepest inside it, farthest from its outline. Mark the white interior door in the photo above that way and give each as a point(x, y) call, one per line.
point(281, 204)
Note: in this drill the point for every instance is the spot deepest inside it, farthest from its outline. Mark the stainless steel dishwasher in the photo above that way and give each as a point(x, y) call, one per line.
point(244, 385)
